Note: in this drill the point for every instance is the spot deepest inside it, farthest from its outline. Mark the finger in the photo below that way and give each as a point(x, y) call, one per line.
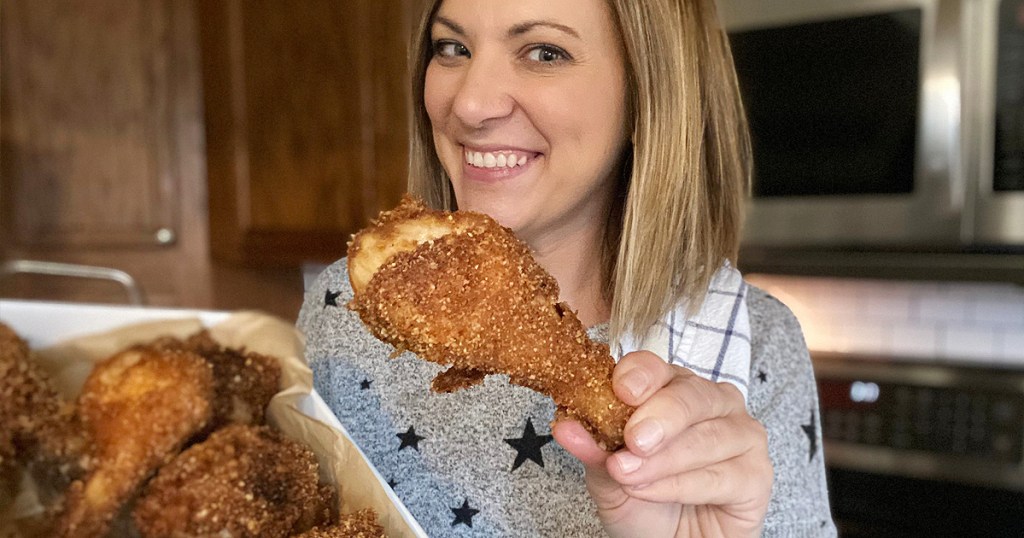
point(638, 375)
point(685, 401)
point(702, 445)
point(576, 440)
point(741, 481)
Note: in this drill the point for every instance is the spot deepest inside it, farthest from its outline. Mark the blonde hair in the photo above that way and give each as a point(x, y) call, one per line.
point(679, 215)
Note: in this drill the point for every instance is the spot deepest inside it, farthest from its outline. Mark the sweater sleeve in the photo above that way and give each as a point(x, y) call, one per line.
point(784, 398)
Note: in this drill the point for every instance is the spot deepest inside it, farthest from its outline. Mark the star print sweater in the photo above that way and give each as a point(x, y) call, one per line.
point(481, 461)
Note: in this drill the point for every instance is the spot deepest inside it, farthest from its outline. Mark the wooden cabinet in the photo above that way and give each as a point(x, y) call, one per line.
point(102, 154)
point(306, 109)
point(207, 148)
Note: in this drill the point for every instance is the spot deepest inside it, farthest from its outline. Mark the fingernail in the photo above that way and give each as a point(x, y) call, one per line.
point(647, 434)
point(635, 382)
point(628, 462)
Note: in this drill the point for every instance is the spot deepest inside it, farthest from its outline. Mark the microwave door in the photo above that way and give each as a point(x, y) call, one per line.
point(997, 123)
point(854, 109)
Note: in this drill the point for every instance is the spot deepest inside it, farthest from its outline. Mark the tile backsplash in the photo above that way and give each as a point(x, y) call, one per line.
point(943, 321)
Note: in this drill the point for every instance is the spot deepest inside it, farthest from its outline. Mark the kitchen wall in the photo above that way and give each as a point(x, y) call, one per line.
point(942, 321)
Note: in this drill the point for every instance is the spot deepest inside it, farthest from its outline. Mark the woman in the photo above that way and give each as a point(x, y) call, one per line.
point(610, 137)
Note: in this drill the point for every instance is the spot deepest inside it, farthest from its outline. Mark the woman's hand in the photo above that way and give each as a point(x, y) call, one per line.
point(695, 463)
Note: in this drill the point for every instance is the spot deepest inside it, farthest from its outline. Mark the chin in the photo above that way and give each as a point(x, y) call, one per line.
point(508, 213)
point(508, 217)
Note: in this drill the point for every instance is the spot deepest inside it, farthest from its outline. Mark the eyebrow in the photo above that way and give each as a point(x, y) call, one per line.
point(452, 25)
point(524, 27)
point(517, 30)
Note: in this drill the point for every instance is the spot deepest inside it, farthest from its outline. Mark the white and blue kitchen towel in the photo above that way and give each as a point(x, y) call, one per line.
point(714, 343)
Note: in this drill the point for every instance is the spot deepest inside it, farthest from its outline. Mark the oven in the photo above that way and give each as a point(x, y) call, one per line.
point(922, 449)
point(883, 124)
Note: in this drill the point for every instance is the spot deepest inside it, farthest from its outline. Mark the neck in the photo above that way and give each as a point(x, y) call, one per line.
point(574, 260)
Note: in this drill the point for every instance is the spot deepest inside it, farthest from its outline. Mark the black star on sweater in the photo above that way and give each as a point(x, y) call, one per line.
point(409, 438)
point(464, 514)
point(331, 298)
point(528, 446)
point(392, 483)
point(365, 384)
point(761, 376)
point(810, 430)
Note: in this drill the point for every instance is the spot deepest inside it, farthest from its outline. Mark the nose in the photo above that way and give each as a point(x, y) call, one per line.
point(482, 95)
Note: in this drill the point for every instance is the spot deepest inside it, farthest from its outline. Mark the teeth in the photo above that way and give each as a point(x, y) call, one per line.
point(492, 160)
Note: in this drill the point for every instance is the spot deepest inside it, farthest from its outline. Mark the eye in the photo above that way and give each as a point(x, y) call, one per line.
point(450, 49)
point(548, 54)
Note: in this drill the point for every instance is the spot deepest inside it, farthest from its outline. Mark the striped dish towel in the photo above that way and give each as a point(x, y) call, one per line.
point(715, 343)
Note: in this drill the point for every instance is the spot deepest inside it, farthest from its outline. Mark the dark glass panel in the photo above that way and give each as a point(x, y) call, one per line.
point(832, 104)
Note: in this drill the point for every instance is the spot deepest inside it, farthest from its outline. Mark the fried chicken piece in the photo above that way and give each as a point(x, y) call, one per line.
point(37, 427)
point(359, 524)
point(20, 388)
point(140, 406)
point(244, 381)
point(242, 481)
point(459, 289)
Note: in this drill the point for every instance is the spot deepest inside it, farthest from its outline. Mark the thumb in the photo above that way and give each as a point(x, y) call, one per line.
point(576, 440)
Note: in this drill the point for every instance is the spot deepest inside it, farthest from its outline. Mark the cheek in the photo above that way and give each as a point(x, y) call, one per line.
point(435, 97)
point(437, 103)
point(582, 138)
point(587, 110)
point(605, 133)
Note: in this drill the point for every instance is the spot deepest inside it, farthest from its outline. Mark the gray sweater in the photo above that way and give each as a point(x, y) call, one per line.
point(481, 461)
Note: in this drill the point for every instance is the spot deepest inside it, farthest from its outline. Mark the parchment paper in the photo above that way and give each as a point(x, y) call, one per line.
point(341, 463)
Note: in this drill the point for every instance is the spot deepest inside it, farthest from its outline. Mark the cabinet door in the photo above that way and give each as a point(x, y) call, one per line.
point(101, 136)
point(305, 123)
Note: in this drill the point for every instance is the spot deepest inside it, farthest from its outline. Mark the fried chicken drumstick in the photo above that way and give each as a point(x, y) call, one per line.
point(243, 381)
point(20, 389)
point(243, 481)
point(360, 524)
point(37, 427)
point(458, 289)
point(140, 407)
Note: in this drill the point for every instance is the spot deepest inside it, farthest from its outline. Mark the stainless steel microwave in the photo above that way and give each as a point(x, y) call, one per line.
point(892, 124)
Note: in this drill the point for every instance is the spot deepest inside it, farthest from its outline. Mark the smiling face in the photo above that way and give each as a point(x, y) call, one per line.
point(526, 99)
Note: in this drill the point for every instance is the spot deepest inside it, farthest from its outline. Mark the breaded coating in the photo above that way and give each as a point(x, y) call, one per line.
point(243, 481)
point(458, 289)
point(19, 390)
point(359, 524)
point(244, 381)
point(37, 427)
point(140, 406)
